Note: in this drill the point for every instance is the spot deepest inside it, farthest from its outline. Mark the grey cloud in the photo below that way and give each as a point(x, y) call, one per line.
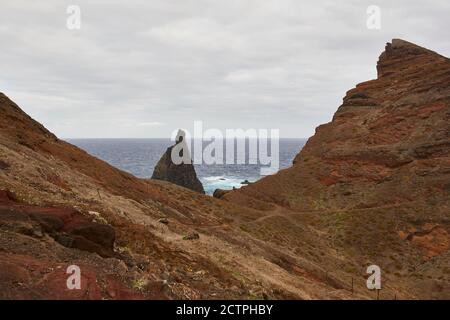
point(143, 68)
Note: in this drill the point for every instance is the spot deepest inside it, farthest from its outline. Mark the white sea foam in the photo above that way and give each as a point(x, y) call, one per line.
point(212, 183)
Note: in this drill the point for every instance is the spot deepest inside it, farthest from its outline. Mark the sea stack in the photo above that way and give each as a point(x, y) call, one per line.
point(182, 174)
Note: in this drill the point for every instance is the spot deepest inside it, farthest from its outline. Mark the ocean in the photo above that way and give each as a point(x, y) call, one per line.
point(139, 157)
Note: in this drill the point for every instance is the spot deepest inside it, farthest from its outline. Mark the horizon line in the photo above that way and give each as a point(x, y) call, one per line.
point(130, 138)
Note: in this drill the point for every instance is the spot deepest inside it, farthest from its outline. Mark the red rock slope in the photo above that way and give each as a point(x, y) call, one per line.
point(377, 177)
point(130, 237)
point(388, 142)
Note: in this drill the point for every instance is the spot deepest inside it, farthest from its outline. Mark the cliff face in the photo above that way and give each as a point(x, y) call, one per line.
point(182, 174)
point(378, 175)
point(388, 142)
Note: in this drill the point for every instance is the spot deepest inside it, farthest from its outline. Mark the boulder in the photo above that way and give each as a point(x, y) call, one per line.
point(3, 165)
point(192, 236)
point(67, 226)
point(163, 220)
point(219, 193)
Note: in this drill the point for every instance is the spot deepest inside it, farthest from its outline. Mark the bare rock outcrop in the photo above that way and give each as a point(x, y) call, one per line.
point(66, 226)
point(219, 193)
point(388, 142)
point(182, 174)
point(379, 172)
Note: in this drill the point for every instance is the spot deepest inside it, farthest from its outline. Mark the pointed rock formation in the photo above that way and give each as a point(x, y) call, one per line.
point(182, 174)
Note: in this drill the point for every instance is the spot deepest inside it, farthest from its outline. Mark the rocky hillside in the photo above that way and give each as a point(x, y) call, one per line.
point(376, 179)
point(371, 187)
point(131, 238)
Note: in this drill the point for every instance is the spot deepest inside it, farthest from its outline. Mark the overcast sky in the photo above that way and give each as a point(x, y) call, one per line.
point(144, 68)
